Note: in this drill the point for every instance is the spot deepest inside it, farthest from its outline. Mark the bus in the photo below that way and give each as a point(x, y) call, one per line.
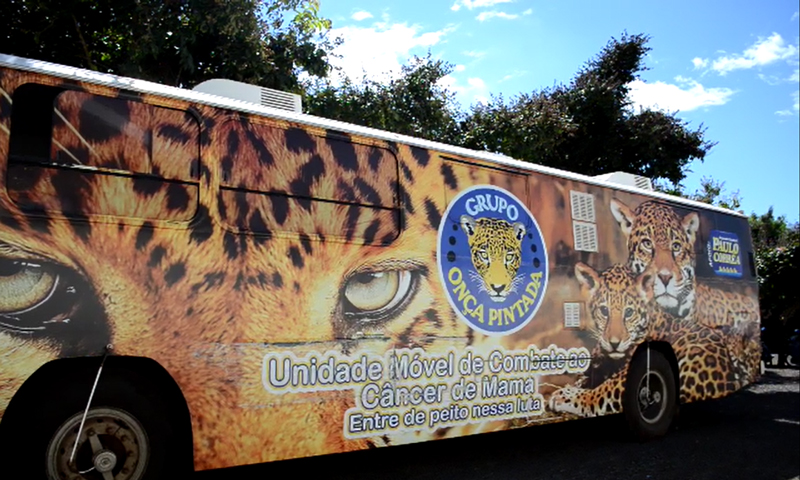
point(190, 281)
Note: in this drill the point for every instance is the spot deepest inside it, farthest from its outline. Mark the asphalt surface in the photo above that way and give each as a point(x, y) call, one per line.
point(752, 434)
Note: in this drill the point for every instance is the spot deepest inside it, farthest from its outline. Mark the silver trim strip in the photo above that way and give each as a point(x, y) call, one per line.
point(142, 86)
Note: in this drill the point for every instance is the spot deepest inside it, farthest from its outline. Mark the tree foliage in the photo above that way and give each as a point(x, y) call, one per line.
point(711, 192)
point(777, 247)
point(415, 103)
point(771, 232)
point(176, 42)
point(588, 126)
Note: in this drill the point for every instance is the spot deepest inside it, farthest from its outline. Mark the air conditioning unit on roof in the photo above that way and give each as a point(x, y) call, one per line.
point(245, 92)
point(628, 179)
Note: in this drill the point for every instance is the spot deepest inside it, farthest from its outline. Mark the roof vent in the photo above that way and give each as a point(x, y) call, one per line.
point(629, 179)
point(245, 92)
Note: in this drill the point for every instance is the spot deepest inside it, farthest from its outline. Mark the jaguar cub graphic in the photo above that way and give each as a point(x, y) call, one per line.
point(496, 249)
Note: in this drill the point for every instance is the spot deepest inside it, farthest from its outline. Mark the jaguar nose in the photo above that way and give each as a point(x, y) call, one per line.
point(498, 288)
point(665, 278)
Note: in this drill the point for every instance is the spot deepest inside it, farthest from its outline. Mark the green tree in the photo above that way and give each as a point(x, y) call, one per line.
point(771, 232)
point(176, 42)
point(589, 126)
point(777, 247)
point(415, 103)
point(711, 192)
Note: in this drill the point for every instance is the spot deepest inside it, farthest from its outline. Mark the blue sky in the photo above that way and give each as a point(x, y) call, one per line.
point(732, 66)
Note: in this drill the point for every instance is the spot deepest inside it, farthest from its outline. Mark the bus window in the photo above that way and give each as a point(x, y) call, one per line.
point(342, 190)
point(78, 154)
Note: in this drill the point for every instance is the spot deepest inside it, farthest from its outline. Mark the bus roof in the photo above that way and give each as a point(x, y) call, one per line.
point(142, 86)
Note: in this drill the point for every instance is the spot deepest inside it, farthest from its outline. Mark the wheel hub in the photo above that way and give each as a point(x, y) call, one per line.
point(648, 398)
point(105, 461)
point(651, 396)
point(114, 446)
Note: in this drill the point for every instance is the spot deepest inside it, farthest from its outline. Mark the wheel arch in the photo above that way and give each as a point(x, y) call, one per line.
point(80, 373)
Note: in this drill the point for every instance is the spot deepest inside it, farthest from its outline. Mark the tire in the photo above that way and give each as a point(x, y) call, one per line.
point(129, 430)
point(653, 415)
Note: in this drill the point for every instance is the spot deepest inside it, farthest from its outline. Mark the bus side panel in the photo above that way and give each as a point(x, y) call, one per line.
point(313, 292)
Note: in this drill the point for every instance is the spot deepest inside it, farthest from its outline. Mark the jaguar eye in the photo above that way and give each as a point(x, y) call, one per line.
point(24, 286)
point(646, 243)
point(676, 247)
point(604, 311)
point(373, 296)
point(483, 254)
point(510, 256)
point(628, 313)
point(43, 299)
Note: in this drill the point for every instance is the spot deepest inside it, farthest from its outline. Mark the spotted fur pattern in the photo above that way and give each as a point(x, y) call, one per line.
point(617, 317)
point(185, 262)
point(706, 365)
point(661, 241)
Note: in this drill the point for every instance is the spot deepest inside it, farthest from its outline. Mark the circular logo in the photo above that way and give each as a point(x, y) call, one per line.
point(492, 260)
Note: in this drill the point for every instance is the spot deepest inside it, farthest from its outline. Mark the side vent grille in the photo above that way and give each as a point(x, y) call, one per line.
point(572, 315)
point(585, 236)
point(584, 230)
point(582, 206)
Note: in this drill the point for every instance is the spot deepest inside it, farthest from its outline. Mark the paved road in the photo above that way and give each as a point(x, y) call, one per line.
point(753, 434)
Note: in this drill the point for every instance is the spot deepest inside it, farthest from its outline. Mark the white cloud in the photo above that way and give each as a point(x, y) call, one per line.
point(684, 96)
point(699, 62)
point(770, 79)
point(514, 74)
point(470, 4)
point(361, 15)
point(795, 16)
point(795, 108)
point(459, 68)
point(528, 11)
point(474, 91)
point(379, 51)
point(476, 82)
point(483, 16)
point(776, 80)
point(764, 52)
point(475, 54)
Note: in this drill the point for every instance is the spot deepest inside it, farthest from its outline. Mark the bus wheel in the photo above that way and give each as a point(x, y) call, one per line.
point(113, 444)
point(130, 432)
point(649, 399)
